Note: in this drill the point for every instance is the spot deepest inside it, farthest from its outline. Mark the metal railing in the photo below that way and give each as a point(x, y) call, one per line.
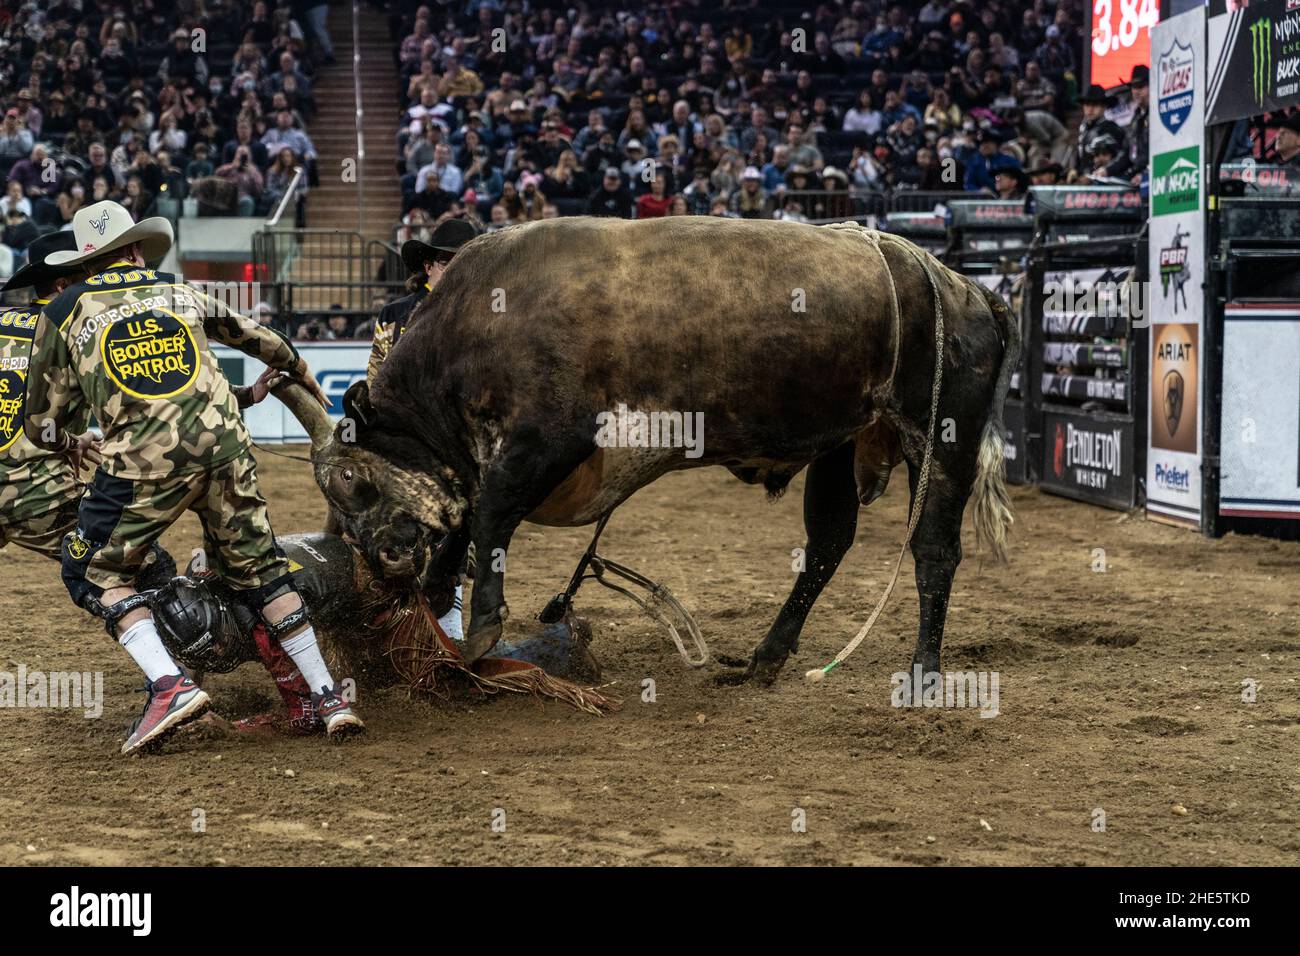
point(360, 114)
point(289, 194)
point(307, 272)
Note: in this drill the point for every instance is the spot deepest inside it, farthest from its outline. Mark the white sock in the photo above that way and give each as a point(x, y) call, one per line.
point(142, 642)
point(302, 647)
point(450, 622)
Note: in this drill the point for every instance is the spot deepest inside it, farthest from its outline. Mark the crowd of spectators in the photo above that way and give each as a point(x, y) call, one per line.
point(151, 102)
point(751, 109)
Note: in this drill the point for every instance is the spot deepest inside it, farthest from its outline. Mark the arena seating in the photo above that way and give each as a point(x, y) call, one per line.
point(151, 104)
point(804, 65)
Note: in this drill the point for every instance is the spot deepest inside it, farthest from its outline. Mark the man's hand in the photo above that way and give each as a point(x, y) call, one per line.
point(85, 447)
point(265, 383)
point(301, 374)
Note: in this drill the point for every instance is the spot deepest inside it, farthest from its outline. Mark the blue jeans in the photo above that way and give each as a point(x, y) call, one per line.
point(316, 16)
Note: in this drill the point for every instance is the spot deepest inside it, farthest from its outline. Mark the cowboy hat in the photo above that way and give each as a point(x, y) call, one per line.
point(106, 226)
point(36, 273)
point(449, 236)
point(1097, 94)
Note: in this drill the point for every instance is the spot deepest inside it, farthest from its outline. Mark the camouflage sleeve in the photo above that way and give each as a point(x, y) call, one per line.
point(240, 332)
point(379, 348)
point(52, 390)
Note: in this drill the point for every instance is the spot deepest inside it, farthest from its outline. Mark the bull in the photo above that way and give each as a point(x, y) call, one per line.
point(800, 346)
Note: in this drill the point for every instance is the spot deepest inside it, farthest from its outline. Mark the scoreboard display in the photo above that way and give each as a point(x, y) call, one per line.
point(1121, 39)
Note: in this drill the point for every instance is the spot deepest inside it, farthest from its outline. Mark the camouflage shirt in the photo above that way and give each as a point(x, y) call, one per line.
point(33, 480)
point(394, 319)
point(132, 343)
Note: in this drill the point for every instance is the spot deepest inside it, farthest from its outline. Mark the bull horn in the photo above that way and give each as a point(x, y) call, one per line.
point(304, 407)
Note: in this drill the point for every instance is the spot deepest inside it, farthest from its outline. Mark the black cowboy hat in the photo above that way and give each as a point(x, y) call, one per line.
point(1141, 74)
point(1015, 172)
point(1290, 121)
point(449, 236)
point(36, 272)
point(1097, 94)
point(1046, 167)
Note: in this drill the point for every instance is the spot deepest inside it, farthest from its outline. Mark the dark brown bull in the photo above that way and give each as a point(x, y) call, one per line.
point(800, 345)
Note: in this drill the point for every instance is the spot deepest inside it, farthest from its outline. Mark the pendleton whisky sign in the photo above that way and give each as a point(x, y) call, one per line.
point(1254, 60)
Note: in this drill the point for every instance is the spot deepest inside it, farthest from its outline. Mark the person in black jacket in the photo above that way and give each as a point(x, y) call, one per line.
point(611, 197)
point(426, 260)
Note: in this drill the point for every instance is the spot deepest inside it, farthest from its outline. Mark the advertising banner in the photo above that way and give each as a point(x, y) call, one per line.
point(1177, 264)
point(1089, 456)
point(336, 366)
point(1260, 446)
point(1256, 49)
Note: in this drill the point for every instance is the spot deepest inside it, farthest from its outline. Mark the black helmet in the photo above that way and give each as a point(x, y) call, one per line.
point(200, 627)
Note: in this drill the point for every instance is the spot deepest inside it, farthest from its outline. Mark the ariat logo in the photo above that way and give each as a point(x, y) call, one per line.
point(1261, 58)
point(12, 394)
point(153, 356)
point(78, 547)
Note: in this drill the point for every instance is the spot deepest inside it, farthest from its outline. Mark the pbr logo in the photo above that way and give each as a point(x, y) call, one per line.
point(1175, 85)
point(12, 393)
point(152, 356)
point(1174, 271)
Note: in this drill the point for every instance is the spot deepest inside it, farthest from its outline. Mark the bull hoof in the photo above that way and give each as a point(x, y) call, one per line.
point(929, 664)
point(480, 641)
point(765, 672)
point(761, 672)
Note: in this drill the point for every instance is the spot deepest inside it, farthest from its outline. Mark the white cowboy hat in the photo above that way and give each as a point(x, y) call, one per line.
point(106, 226)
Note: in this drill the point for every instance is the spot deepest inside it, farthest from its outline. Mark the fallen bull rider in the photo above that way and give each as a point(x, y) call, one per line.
point(378, 635)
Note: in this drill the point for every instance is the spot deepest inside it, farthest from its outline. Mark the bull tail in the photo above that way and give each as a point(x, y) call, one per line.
point(992, 508)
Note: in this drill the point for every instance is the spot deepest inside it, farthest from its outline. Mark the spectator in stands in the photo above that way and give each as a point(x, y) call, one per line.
point(200, 166)
point(532, 197)
point(863, 117)
point(751, 200)
point(168, 135)
point(611, 198)
point(485, 178)
point(1010, 182)
point(279, 177)
point(1094, 128)
point(243, 172)
point(16, 140)
point(284, 133)
point(983, 166)
point(182, 64)
point(15, 201)
point(443, 171)
point(655, 203)
point(1054, 55)
point(1132, 163)
point(1046, 174)
point(696, 195)
point(39, 182)
point(1035, 91)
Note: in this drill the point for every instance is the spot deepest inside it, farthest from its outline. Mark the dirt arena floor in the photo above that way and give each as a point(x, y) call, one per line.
point(1120, 692)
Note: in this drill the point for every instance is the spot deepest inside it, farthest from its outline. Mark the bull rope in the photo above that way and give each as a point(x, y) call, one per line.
point(922, 485)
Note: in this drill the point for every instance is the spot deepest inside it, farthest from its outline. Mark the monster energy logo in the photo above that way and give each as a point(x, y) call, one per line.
point(1261, 57)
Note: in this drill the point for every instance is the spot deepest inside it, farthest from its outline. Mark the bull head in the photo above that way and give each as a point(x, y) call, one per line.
point(398, 515)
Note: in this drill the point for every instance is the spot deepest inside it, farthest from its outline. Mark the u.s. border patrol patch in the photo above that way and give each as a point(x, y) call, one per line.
point(150, 356)
point(77, 546)
point(12, 393)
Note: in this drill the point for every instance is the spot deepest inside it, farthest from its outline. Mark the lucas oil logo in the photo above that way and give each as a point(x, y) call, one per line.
point(1175, 85)
point(12, 393)
point(150, 356)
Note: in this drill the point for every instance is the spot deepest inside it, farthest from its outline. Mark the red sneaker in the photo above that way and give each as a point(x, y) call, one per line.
point(173, 701)
point(340, 720)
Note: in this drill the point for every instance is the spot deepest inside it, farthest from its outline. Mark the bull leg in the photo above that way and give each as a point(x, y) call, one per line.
point(936, 548)
point(830, 518)
point(514, 487)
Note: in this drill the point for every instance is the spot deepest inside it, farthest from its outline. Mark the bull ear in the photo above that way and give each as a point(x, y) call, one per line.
point(356, 404)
